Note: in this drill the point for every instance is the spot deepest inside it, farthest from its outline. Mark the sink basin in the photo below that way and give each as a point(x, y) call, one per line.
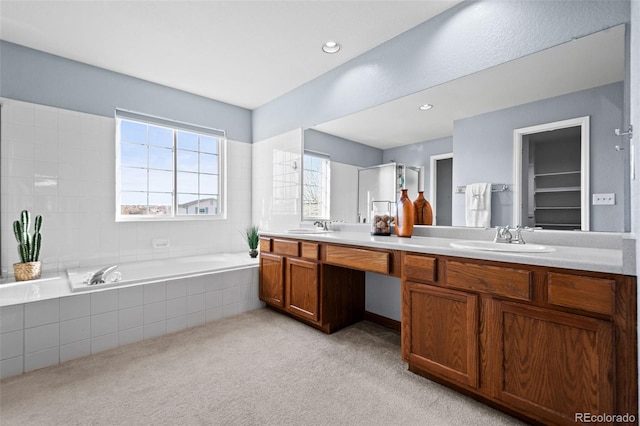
point(308, 231)
point(509, 248)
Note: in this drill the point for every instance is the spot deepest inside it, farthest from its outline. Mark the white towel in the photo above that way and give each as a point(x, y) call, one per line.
point(478, 205)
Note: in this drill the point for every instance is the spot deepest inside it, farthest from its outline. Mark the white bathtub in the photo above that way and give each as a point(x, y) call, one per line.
point(162, 270)
point(46, 321)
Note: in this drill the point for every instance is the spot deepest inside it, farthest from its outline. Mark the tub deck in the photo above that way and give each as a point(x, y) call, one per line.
point(64, 283)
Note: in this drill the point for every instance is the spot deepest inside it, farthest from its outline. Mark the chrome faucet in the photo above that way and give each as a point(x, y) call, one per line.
point(502, 235)
point(321, 224)
point(517, 239)
point(100, 276)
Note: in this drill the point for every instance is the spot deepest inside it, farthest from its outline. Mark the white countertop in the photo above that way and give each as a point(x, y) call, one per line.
point(567, 257)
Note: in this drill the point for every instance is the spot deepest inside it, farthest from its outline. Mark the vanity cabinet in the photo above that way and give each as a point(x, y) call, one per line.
point(271, 285)
point(449, 349)
point(538, 342)
point(288, 281)
point(303, 289)
point(291, 284)
point(552, 364)
point(294, 281)
point(274, 270)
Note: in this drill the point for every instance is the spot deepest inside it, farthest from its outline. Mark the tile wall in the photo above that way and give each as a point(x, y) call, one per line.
point(277, 181)
point(39, 334)
point(61, 164)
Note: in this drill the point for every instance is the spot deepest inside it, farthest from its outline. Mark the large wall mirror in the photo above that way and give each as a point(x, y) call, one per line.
point(473, 120)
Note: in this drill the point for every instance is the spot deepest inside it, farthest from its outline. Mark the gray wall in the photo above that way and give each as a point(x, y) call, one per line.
point(487, 140)
point(342, 150)
point(418, 155)
point(34, 76)
point(467, 38)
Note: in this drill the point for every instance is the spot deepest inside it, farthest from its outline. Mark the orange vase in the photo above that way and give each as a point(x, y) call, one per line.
point(423, 213)
point(404, 216)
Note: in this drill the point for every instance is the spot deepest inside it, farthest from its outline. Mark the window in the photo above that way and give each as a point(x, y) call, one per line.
point(316, 181)
point(166, 169)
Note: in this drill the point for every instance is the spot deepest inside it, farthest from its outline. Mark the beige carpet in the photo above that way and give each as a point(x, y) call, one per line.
point(257, 368)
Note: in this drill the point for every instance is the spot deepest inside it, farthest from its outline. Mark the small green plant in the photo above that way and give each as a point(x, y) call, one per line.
point(28, 247)
point(252, 237)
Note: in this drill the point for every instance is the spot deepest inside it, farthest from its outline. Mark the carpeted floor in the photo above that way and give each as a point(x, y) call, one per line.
point(258, 368)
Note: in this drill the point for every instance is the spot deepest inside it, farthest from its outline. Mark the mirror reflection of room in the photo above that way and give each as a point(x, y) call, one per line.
point(473, 120)
point(384, 183)
point(553, 179)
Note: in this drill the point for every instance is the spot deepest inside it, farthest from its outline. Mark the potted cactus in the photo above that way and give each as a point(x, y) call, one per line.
point(28, 247)
point(253, 240)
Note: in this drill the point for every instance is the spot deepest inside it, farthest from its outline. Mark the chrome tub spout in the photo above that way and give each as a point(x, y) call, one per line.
point(100, 276)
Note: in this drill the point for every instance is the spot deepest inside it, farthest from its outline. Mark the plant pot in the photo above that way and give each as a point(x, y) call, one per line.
point(253, 253)
point(27, 271)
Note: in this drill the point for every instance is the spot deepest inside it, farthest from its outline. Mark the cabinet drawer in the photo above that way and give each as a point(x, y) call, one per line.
point(362, 259)
point(587, 293)
point(286, 247)
point(265, 245)
point(421, 268)
point(310, 250)
point(507, 282)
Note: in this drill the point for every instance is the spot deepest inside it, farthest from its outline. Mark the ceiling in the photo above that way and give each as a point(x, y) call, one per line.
point(583, 63)
point(245, 53)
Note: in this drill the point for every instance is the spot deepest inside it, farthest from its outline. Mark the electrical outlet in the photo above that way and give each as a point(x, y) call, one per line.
point(160, 242)
point(604, 199)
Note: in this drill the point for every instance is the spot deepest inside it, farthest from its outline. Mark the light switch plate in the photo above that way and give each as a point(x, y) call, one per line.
point(604, 199)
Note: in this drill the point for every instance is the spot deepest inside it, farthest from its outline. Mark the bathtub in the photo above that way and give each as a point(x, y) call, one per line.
point(161, 270)
point(48, 321)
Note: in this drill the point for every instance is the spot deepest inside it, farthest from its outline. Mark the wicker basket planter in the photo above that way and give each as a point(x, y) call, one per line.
point(27, 271)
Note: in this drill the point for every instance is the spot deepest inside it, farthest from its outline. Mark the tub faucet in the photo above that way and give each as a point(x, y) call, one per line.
point(100, 276)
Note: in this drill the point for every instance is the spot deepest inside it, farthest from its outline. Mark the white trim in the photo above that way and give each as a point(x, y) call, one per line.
point(433, 168)
point(167, 122)
point(518, 134)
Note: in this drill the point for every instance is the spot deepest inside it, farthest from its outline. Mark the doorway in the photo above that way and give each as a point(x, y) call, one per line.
point(551, 175)
point(441, 188)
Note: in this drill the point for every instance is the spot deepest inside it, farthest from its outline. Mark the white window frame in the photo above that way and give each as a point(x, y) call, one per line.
point(121, 114)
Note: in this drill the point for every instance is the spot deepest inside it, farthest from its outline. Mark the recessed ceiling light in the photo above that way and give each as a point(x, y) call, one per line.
point(425, 107)
point(330, 47)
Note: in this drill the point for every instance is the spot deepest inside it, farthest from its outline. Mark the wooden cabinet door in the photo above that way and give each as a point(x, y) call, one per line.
point(303, 288)
point(553, 364)
point(440, 331)
point(272, 279)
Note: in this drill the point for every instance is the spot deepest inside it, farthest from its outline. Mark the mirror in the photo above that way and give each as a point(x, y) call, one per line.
point(475, 117)
point(383, 183)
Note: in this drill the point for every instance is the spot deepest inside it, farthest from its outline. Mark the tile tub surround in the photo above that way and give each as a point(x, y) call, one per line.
point(46, 332)
point(61, 164)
